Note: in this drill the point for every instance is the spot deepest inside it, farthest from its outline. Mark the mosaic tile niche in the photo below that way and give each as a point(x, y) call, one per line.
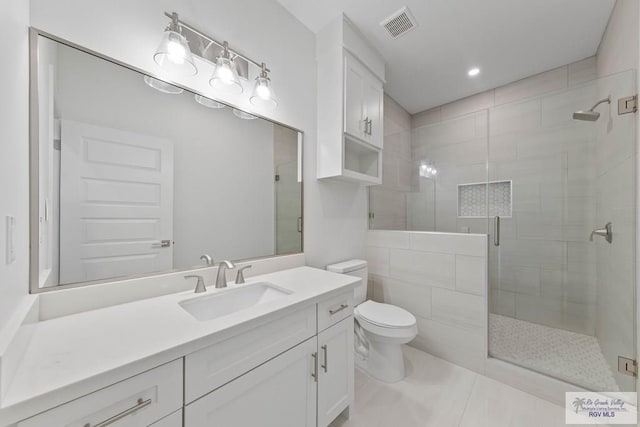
point(473, 199)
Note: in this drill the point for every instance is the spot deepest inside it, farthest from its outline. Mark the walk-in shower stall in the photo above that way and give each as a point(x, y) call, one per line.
point(551, 181)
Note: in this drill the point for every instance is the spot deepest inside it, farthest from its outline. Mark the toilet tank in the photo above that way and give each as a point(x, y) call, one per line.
point(354, 267)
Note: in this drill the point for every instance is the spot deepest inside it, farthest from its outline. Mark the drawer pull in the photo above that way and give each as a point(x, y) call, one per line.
point(141, 404)
point(336, 310)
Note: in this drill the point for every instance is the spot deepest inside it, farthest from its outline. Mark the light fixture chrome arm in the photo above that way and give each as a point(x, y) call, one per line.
point(175, 18)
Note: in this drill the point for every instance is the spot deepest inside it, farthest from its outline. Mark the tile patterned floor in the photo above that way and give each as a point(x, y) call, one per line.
point(572, 357)
point(440, 394)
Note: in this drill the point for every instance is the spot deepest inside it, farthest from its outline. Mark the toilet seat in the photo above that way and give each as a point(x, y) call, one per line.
point(398, 326)
point(385, 315)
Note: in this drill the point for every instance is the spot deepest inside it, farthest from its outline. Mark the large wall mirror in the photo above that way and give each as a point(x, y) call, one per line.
point(133, 176)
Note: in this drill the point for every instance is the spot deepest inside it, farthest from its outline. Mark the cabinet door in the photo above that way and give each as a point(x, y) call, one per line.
point(279, 393)
point(373, 110)
point(336, 370)
point(354, 75)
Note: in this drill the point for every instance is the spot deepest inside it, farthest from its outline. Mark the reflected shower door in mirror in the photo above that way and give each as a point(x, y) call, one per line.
point(136, 176)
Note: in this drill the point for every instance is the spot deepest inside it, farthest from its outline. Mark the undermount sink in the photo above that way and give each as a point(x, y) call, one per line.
point(232, 300)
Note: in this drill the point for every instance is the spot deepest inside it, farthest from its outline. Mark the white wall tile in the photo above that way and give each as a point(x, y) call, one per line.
point(460, 346)
point(468, 105)
point(424, 268)
point(471, 274)
point(538, 84)
point(378, 259)
point(464, 244)
point(413, 298)
point(519, 117)
point(388, 239)
point(582, 71)
point(450, 132)
point(427, 117)
point(458, 309)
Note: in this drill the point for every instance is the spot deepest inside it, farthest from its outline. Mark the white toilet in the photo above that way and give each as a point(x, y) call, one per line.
point(380, 329)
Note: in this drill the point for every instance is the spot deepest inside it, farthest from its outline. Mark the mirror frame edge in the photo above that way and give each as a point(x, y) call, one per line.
point(34, 167)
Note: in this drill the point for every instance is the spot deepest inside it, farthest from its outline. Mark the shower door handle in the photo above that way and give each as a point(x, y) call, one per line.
point(496, 231)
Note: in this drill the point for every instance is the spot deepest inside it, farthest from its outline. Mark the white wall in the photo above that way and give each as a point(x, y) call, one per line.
point(14, 169)
point(335, 213)
point(223, 166)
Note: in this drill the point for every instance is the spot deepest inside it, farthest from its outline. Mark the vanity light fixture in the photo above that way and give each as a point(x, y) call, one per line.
point(427, 169)
point(207, 102)
point(162, 86)
point(473, 72)
point(243, 114)
point(229, 66)
point(225, 76)
point(174, 54)
point(263, 94)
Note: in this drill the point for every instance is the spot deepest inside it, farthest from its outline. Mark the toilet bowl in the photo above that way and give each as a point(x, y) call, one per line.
point(380, 329)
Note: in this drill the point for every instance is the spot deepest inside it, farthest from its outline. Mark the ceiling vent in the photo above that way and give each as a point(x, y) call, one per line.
point(399, 23)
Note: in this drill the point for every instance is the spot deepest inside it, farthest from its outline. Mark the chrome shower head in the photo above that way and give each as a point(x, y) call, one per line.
point(590, 116)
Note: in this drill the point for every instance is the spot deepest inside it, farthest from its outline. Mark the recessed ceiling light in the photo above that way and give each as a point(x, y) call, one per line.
point(473, 72)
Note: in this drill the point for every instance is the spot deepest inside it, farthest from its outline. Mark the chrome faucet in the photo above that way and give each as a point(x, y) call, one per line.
point(240, 274)
point(221, 278)
point(200, 287)
point(207, 259)
point(606, 232)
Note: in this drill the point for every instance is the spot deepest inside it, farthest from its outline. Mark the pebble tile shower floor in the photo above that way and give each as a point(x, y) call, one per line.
point(569, 356)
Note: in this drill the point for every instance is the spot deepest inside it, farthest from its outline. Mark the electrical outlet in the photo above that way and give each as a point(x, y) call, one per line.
point(10, 250)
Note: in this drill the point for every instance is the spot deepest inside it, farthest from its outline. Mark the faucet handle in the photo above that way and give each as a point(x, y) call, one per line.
point(240, 274)
point(200, 285)
point(207, 259)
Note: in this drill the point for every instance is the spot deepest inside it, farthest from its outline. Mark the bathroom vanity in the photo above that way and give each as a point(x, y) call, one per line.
point(281, 354)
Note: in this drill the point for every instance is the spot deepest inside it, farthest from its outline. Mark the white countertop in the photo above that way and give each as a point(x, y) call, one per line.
point(71, 356)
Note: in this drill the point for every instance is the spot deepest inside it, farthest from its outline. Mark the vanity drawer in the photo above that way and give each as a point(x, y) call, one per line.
point(173, 420)
point(216, 365)
point(334, 310)
point(134, 402)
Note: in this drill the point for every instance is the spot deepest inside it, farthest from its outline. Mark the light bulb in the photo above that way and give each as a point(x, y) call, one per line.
point(226, 75)
point(434, 171)
point(263, 92)
point(176, 52)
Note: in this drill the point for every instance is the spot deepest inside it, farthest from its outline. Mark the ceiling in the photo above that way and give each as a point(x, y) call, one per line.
point(507, 39)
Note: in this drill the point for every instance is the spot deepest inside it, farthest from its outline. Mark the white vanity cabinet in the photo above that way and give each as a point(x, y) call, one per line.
point(137, 401)
point(336, 372)
point(289, 370)
point(350, 105)
point(307, 384)
point(363, 100)
point(279, 393)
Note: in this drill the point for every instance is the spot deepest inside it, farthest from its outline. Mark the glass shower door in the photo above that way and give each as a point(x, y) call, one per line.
point(560, 303)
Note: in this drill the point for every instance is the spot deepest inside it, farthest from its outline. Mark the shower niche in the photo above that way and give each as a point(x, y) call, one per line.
point(482, 199)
